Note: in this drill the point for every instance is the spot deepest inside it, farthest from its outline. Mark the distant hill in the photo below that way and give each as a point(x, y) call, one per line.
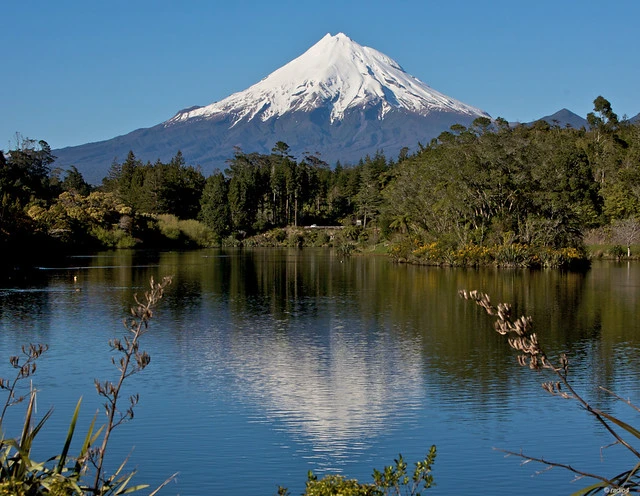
point(564, 118)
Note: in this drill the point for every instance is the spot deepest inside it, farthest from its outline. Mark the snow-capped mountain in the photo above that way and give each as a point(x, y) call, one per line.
point(339, 73)
point(340, 99)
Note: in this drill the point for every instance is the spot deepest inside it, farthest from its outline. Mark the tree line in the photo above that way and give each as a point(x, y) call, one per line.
point(536, 185)
point(485, 185)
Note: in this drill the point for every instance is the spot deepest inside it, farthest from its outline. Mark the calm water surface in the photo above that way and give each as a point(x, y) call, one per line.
point(268, 363)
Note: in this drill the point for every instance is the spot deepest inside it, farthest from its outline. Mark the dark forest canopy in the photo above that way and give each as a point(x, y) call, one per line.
point(486, 185)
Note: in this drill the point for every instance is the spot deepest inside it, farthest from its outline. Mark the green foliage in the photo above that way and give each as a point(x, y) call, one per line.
point(345, 248)
point(603, 118)
point(332, 485)
point(75, 183)
point(199, 234)
point(295, 239)
point(395, 477)
point(541, 185)
point(96, 220)
point(246, 188)
point(479, 187)
point(24, 172)
point(276, 190)
point(110, 238)
point(352, 233)
point(393, 480)
point(279, 235)
point(169, 227)
point(187, 232)
point(214, 205)
point(172, 188)
point(256, 193)
point(508, 254)
point(617, 251)
point(21, 475)
point(321, 239)
point(369, 198)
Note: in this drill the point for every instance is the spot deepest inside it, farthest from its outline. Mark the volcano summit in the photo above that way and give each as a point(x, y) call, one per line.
point(339, 99)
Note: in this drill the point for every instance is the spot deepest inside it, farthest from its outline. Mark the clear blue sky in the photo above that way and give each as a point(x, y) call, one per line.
point(80, 71)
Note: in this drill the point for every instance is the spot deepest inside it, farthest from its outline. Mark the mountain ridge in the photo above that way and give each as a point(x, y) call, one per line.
point(338, 99)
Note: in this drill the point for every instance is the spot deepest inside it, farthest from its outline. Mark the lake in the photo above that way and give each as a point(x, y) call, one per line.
point(268, 363)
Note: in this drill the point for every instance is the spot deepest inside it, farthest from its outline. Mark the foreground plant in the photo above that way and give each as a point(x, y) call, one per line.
point(520, 336)
point(131, 361)
point(62, 474)
point(392, 481)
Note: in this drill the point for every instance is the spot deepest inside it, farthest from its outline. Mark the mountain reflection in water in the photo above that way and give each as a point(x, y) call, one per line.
point(268, 363)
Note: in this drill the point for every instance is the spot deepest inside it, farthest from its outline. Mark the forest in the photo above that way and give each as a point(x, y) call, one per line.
point(529, 195)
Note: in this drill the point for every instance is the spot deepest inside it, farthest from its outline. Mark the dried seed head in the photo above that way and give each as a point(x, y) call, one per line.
point(520, 337)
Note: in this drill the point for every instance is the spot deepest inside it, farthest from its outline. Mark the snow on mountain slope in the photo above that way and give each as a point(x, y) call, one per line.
point(337, 73)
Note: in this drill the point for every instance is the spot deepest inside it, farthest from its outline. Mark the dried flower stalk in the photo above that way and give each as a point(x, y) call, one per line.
point(131, 361)
point(520, 336)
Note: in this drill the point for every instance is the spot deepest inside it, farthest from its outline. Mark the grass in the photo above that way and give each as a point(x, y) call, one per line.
point(604, 251)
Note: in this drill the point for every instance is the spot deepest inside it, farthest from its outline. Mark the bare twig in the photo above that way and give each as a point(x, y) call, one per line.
point(627, 400)
point(580, 473)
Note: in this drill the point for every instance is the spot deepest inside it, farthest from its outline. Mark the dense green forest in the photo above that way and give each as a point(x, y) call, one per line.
point(490, 193)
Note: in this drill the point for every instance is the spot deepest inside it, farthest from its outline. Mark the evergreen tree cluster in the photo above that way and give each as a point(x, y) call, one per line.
point(173, 188)
point(259, 192)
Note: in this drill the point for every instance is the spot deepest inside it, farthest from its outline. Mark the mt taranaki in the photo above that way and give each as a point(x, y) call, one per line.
point(339, 99)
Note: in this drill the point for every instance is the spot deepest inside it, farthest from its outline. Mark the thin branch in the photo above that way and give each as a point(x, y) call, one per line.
point(581, 473)
point(627, 401)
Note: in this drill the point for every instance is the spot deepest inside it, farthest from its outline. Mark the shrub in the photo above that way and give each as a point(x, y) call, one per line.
point(189, 232)
point(199, 233)
point(394, 479)
point(346, 248)
point(278, 235)
point(168, 225)
point(617, 252)
point(336, 484)
point(353, 233)
point(231, 241)
point(125, 240)
point(322, 239)
point(513, 255)
point(403, 250)
point(112, 238)
point(295, 239)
